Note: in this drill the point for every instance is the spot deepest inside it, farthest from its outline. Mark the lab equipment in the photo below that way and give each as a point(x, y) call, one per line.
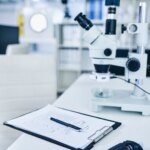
point(127, 145)
point(104, 55)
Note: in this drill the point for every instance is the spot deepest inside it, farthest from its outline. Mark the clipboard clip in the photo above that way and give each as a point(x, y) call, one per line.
point(99, 134)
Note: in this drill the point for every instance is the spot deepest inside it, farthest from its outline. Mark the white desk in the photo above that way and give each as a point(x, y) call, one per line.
point(134, 126)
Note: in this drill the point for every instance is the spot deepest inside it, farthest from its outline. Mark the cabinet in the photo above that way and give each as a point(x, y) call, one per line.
point(73, 56)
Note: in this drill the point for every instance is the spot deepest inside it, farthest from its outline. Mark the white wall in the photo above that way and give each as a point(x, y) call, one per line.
point(8, 14)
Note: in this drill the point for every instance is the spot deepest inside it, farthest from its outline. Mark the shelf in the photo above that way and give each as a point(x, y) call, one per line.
point(95, 22)
point(28, 40)
point(85, 47)
point(69, 46)
point(69, 67)
point(68, 22)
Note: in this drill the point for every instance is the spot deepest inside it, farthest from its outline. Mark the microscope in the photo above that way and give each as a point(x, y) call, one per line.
point(106, 57)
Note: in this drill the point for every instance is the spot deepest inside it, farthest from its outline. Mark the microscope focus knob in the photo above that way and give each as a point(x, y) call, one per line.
point(133, 64)
point(107, 52)
point(123, 28)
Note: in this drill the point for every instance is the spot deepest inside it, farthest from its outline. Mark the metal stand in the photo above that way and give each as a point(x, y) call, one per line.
point(122, 99)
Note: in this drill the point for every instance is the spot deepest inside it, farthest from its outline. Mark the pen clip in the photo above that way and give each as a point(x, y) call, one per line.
point(99, 134)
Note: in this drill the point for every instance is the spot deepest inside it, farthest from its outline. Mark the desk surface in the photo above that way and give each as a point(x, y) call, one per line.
point(134, 126)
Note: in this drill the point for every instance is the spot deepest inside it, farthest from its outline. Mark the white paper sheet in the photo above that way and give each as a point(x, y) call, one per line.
point(39, 122)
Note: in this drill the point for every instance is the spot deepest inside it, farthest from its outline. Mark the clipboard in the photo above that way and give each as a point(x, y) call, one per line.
point(89, 137)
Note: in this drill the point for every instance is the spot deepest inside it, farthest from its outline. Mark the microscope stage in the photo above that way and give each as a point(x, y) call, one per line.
point(122, 99)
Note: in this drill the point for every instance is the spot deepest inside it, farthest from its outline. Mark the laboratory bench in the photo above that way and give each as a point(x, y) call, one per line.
point(78, 97)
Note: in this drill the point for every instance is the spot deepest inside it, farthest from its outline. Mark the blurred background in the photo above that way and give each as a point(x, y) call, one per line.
point(42, 52)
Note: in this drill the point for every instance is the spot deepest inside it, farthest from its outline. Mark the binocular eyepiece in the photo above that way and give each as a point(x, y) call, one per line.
point(83, 21)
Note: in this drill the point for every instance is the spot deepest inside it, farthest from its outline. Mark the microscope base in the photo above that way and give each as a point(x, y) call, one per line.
point(124, 100)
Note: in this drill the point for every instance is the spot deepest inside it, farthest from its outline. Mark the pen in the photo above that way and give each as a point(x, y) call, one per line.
point(66, 124)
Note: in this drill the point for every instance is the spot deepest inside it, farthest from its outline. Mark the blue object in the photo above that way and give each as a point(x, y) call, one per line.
point(112, 2)
point(100, 9)
point(8, 35)
point(66, 124)
point(92, 9)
